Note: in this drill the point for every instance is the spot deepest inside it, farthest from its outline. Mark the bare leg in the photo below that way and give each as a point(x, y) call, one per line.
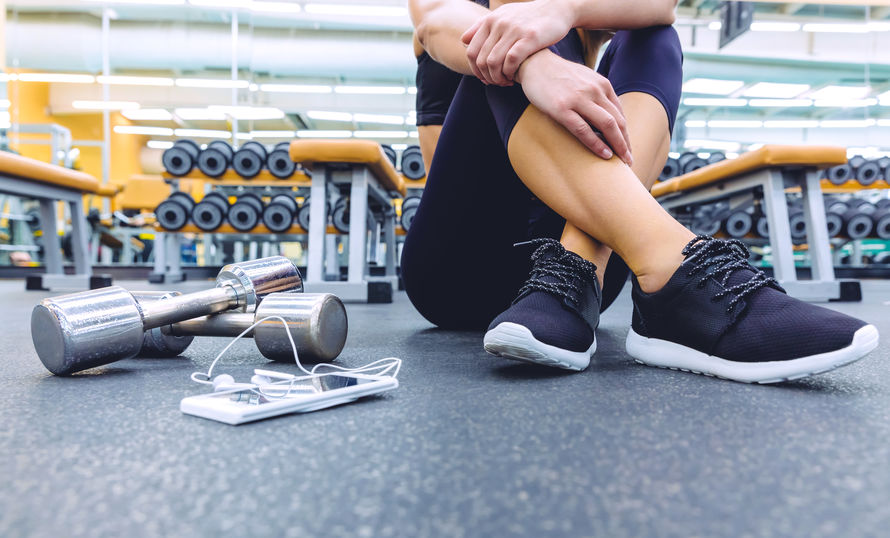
point(647, 126)
point(428, 136)
point(603, 199)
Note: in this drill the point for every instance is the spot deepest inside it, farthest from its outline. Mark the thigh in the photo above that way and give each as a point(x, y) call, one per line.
point(458, 263)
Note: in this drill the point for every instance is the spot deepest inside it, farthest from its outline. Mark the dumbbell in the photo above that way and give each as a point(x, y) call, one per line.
point(881, 220)
point(82, 330)
point(340, 215)
point(867, 173)
point(884, 165)
point(304, 212)
point(738, 224)
point(154, 342)
point(671, 169)
point(279, 162)
point(796, 222)
point(215, 159)
point(838, 175)
point(689, 162)
point(716, 157)
point(246, 212)
point(857, 224)
point(279, 214)
point(210, 213)
point(412, 163)
point(317, 322)
point(856, 161)
point(409, 210)
point(390, 153)
point(761, 226)
point(180, 159)
point(883, 203)
point(249, 159)
point(707, 219)
point(173, 213)
point(834, 216)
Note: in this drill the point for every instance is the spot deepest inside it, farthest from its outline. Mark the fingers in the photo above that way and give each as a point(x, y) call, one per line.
point(621, 122)
point(495, 62)
point(576, 125)
point(473, 49)
point(607, 124)
point(471, 31)
point(613, 97)
point(517, 54)
point(482, 60)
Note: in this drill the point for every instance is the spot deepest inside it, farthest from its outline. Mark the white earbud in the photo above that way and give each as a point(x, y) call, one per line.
point(227, 382)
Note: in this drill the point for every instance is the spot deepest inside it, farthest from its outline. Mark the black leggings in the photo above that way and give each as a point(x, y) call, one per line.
point(459, 264)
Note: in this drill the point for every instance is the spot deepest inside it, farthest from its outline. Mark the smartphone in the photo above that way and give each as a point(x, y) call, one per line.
point(304, 394)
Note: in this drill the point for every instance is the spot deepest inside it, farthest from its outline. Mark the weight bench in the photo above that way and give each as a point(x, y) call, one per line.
point(768, 172)
point(361, 167)
point(48, 184)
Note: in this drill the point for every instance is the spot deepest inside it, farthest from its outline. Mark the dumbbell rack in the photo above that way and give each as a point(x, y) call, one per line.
point(167, 264)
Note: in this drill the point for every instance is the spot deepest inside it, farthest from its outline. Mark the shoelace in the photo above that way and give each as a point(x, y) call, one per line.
point(553, 260)
point(719, 258)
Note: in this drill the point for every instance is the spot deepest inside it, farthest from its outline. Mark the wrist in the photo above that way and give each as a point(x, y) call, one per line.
point(541, 57)
point(570, 9)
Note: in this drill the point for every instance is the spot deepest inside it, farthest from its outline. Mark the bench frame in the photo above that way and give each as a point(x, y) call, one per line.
point(773, 181)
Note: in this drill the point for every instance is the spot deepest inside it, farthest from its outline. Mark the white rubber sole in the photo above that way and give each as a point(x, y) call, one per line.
point(514, 341)
point(664, 354)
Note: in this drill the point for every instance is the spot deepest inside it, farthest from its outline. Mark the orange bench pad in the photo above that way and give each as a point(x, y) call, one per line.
point(768, 156)
point(364, 152)
point(27, 168)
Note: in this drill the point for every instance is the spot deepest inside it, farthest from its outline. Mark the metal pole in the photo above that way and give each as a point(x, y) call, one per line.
point(234, 74)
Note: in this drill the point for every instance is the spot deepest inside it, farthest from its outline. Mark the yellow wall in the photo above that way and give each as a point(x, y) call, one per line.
point(30, 104)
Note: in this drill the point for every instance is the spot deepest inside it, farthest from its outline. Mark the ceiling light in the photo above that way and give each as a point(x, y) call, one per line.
point(773, 26)
point(695, 123)
point(275, 7)
point(271, 134)
point(325, 115)
point(105, 105)
point(220, 3)
point(134, 81)
point(148, 114)
point(775, 90)
point(253, 87)
point(57, 77)
point(380, 134)
point(371, 90)
point(412, 134)
point(835, 28)
point(356, 10)
point(736, 124)
point(379, 118)
point(883, 123)
point(732, 154)
point(715, 25)
point(840, 92)
point(295, 88)
point(210, 83)
point(790, 124)
point(783, 103)
point(324, 134)
point(200, 114)
point(705, 101)
point(847, 123)
point(203, 133)
point(146, 2)
point(249, 112)
point(845, 103)
point(713, 144)
point(712, 86)
point(143, 130)
point(160, 144)
point(399, 147)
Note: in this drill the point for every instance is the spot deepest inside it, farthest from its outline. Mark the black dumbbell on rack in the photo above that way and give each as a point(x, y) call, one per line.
point(409, 210)
point(834, 216)
point(671, 169)
point(216, 158)
point(245, 213)
point(858, 223)
point(390, 153)
point(279, 162)
point(838, 175)
point(304, 212)
point(716, 157)
point(340, 214)
point(412, 163)
point(180, 159)
point(867, 172)
point(210, 213)
point(249, 159)
point(173, 213)
point(690, 162)
point(280, 212)
point(738, 224)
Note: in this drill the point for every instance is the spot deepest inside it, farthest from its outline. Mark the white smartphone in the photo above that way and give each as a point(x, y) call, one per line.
point(309, 393)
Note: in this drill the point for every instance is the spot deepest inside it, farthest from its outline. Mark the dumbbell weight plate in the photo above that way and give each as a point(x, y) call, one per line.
point(154, 342)
point(857, 225)
point(856, 161)
point(210, 213)
point(173, 213)
point(738, 224)
point(181, 158)
point(390, 153)
point(838, 175)
point(213, 162)
point(412, 163)
point(694, 164)
point(409, 210)
point(280, 164)
point(245, 213)
point(671, 169)
point(716, 157)
point(249, 159)
point(881, 219)
point(867, 173)
point(279, 214)
point(762, 227)
point(797, 224)
point(340, 215)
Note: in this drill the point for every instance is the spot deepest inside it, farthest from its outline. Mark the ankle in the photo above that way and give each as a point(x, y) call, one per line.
point(652, 279)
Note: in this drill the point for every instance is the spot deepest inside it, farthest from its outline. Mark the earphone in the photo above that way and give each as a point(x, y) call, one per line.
point(272, 385)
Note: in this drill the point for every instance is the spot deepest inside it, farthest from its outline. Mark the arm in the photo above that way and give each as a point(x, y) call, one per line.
point(620, 14)
point(439, 24)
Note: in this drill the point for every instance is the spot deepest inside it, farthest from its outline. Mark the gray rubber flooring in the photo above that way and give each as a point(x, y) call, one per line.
point(469, 445)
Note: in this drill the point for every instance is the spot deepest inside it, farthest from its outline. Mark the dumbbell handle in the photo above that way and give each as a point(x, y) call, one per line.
point(191, 305)
point(231, 324)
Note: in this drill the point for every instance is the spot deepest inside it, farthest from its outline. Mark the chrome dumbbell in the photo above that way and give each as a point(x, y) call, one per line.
point(316, 321)
point(83, 330)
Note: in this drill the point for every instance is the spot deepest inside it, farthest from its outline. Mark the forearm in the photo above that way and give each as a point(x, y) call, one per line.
point(618, 14)
point(439, 25)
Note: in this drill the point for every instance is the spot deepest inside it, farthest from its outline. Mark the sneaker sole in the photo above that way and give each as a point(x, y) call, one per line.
point(514, 341)
point(665, 354)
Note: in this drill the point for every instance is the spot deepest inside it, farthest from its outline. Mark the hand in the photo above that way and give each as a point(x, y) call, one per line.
point(499, 42)
point(579, 99)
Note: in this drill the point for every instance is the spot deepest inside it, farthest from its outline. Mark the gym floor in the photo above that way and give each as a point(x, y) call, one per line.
point(469, 445)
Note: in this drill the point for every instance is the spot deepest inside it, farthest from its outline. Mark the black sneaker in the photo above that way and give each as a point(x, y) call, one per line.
point(552, 320)
point(720, 316)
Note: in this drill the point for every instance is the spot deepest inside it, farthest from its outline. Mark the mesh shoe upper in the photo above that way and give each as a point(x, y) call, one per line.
point(719, 304)
point(559, 303)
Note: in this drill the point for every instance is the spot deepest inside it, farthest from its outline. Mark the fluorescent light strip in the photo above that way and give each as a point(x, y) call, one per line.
point(371, 90)
point(324, 115)
point(781, 103)
point(696, 123)
point(71, 78)
point(249, 112)
point(735, 124)
point(845, 103)
point(295, 88)
point(841, 92)
point(386, 119)
point(275, 7)
point(134, 81)
point(713, 144)
point(710, 101)
point(356, 10)
point(834, 28)
point(790, 124)
point(228, 4)
point(883, 123)
point(324, 134)
point(160, 144)
point(145, 2)
point(210, 83)
point(271, 134)
point(199, 114)
point(105, 105)
point(148, 114)
point(774, 26)
point(399, 147)
point(143, 130)
point(848, 124)
point(380, 134)
point(774, 90)
point(712, 86)
point(203, 133)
